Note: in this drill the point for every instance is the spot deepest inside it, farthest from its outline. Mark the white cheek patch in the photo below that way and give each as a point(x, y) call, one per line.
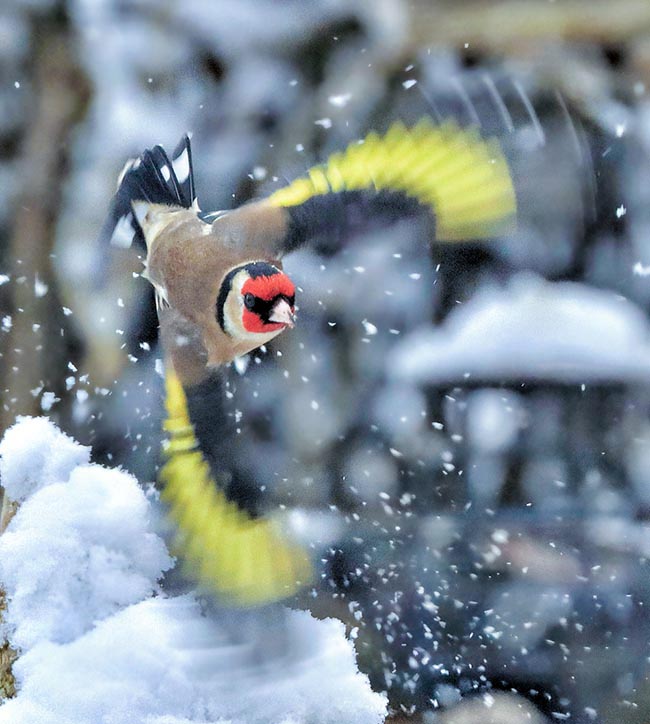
point(233, 311)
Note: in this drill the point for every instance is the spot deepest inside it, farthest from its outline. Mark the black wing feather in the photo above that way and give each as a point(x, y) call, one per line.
point(215, 428)
point(184, 169)
point(151, 178)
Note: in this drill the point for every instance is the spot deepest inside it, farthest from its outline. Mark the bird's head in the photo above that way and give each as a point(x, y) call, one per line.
point(256, 302)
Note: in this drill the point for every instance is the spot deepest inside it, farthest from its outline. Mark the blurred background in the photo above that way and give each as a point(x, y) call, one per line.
point(463, 433)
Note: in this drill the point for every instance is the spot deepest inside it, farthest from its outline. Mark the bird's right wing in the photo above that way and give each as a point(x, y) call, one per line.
point(242, 559)
point(462, 179)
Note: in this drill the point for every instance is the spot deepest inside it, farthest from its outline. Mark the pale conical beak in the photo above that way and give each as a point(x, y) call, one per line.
point(282, 314)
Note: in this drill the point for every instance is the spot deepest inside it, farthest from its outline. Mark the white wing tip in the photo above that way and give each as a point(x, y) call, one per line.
point(181, 166)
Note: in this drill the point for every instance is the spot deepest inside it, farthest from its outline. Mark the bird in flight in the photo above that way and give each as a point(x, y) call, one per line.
point(221, 292)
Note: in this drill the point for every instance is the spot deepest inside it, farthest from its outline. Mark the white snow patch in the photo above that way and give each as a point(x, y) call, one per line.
point(340, 101)
point(35, 453)
point(48, 400)
point(369, 328)
point(532, 329)
point(40, 287)
point(79, 563)
point(241, 364)
point(163, 661)
point(78, 549)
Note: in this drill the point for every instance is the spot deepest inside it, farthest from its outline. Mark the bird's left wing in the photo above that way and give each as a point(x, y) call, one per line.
point(462, 179)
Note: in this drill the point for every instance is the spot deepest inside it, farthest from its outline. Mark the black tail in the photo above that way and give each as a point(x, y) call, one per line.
point(154, 178)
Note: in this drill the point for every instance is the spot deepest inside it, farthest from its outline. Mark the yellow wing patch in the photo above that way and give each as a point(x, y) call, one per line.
point(464, 179)
point(242, 560)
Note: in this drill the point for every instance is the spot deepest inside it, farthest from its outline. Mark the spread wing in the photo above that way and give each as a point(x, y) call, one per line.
point(460, 178)
point(223, 546)
point(463, 182)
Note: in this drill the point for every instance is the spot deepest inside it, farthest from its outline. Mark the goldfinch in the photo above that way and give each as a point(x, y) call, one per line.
point(221, 292)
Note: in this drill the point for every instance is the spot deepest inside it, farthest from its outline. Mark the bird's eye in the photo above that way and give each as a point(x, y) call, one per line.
point(249, 300)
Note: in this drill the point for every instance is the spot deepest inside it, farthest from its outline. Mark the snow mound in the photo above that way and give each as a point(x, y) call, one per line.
point(138, 666)
point(559, 332)
point(79, 563)
point(35, 453)
point(76, 552)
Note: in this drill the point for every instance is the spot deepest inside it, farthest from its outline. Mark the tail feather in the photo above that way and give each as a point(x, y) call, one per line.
point(152, 178)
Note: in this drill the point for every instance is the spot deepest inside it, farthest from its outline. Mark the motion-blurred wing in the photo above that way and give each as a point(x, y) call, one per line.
point(241, 559)
point(463, 179)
